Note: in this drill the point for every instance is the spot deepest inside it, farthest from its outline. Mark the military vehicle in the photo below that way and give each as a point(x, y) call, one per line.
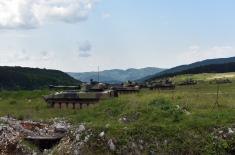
point(188, 82)
point(162, 84)
point(126, 88)
point(222, 81)
point(78, 99)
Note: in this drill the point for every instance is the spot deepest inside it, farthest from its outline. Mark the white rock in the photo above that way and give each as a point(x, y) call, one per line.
point(81, 128)
point(133, 145)
point(141, 141)
point(87, 138)
point(76, 152)
point(34, 153)
point(220, 132)
point(230, 131)
point(112, 147)
point(141, 147)
point(78, 137)
point(101, 134)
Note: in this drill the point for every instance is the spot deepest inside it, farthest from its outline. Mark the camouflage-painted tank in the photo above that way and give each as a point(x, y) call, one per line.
point(75, 99)
point(126, 88)
point(222, 81)
point(188, 82)
point(163, 84)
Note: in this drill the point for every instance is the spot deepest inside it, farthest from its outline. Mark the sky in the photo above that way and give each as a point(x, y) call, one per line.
point(79, 35)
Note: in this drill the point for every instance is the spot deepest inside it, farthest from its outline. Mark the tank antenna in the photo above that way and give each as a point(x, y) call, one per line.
point(98, 74)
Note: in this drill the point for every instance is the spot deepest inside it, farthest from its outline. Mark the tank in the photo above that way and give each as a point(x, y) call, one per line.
point(222, 81)
point(75, 99)
point(163, 84)
point(126, 88)
point(188, 82)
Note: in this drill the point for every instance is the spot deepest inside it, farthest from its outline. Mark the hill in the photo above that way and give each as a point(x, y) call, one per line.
point(213, 68)
point(197, 67)
point(117, 75)
point(32, 78)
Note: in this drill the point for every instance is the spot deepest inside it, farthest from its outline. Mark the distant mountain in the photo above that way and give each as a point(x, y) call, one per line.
point(32, 78)
point(117, 75)
point(201, 65)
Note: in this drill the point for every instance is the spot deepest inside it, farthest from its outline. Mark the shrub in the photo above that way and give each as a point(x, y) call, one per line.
point(13, 102)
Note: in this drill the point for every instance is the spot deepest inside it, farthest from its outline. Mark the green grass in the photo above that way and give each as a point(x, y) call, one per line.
point(153, 116)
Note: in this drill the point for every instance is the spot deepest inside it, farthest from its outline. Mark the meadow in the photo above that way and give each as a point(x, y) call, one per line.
point(181, 121)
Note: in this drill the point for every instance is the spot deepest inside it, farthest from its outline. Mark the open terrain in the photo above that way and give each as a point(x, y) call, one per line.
point(181, 121)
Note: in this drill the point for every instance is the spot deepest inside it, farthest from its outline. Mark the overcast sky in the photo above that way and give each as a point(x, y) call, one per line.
point(79, 35)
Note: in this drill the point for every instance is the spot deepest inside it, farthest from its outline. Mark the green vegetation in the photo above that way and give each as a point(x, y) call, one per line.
point(117, 75)
point(17, 78)
point(182, 121)
point(220, 65)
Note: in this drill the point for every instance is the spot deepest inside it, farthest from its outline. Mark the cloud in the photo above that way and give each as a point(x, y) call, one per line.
point(84, 49)
point(106, 15)
point(28, 14)
point(8, 56)
point(23, 56)
point(46, 56)
point(85, 46)
point(85, 55)
point(196, 53)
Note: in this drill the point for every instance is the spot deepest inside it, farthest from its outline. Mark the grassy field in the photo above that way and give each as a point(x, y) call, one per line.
point(182, 121)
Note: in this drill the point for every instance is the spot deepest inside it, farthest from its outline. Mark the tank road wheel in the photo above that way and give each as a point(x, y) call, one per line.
point(74, 105)
point(77, 105)
point(70, 105)
point(63, 105)
point(50, 104)
point(84, 105)
point(57, 105)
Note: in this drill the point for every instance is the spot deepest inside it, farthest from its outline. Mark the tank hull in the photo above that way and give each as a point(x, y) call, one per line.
point(77, 100)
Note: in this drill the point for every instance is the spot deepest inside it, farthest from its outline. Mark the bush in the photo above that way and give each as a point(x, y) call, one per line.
point(13, 102)
point(165, 105)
